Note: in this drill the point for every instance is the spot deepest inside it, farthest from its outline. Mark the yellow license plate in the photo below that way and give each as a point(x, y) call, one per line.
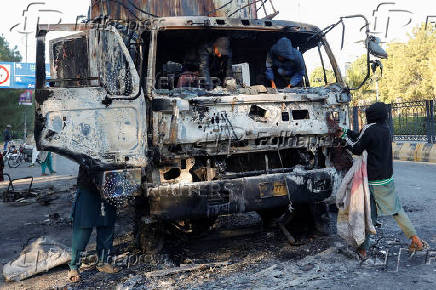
point(270, 189)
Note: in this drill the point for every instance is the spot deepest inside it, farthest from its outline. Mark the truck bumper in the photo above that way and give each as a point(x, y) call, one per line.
point(268, 191)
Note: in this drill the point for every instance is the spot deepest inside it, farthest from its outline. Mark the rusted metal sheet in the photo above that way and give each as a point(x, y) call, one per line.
point(131, 9)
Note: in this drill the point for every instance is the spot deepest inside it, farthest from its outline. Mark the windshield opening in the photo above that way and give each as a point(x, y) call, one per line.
point(208, 59)
point(319, 69)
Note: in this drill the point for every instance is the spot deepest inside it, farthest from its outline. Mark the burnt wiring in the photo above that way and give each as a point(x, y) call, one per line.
point(127, 8)
point(262, 6)
point(322, 63)
point(130, 10)
point(142, 11)
point(326, 30)
point(231, 126)
point(219, 8)
point(244, 6)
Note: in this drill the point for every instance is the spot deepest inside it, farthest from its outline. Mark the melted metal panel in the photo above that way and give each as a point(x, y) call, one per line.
point(260, 122)
point(218, 197)
point(76, 123)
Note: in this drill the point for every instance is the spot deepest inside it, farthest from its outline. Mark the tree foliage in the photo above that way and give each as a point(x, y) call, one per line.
point(356, 73)
point(409, 73)
point(6, 53)
point(316, 78)
point(10, 112)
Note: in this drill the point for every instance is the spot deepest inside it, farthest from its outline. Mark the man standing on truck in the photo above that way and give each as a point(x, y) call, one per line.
point(90, 211)
point(285, 65)
point(215, 61)
point(376, 139)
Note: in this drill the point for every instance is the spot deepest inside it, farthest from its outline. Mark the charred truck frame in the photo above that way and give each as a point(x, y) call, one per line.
point(188, 154)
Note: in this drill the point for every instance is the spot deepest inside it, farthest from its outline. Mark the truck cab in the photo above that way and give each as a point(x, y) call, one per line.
point(190, 153)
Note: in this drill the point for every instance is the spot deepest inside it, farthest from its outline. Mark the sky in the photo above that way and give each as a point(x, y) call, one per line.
point(323, 13)
point(317, 12)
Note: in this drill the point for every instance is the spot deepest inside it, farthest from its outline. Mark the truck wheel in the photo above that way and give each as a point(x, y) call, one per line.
point(311, 218)
point(149, 237)
point(149, 234)
point(321, 218)
point(268, 216)
point(201, 227)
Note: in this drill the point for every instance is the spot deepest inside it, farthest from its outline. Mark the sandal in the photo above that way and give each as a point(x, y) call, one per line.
point(74, 276)
point(417, 245)
point(107, 268)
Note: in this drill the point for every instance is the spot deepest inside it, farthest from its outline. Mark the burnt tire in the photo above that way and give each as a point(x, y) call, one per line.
point(202, 227)
point(321, 218)
point(149, 237)
point(269, 216)
point(311, 218)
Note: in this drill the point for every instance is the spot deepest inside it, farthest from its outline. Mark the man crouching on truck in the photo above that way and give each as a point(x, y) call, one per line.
point(285, 65)
point(376, 139)
point(90, 211)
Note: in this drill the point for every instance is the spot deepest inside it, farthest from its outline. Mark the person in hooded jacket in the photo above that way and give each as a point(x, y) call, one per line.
point(285, 65)
point(376, 138)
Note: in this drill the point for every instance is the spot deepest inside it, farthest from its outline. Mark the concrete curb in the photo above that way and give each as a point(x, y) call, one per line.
point(417, 152)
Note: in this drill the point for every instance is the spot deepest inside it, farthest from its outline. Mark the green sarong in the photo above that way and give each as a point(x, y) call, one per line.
point(387, 200)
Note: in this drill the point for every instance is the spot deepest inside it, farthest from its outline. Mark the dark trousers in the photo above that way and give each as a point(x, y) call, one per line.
point(105, 237)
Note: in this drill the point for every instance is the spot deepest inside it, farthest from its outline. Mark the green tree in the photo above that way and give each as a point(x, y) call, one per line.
point(355, 74)
point(409, 73)
point(316, 78)
point(6, 53)
point(10, 112)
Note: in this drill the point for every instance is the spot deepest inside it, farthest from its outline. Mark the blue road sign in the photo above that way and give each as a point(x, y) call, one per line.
point(19, 75)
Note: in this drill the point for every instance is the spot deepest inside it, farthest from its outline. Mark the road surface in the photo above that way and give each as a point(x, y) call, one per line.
point(261, 260)
point(65, 170)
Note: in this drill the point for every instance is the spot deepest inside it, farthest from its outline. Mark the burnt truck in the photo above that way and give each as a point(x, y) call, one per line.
point(188, 155)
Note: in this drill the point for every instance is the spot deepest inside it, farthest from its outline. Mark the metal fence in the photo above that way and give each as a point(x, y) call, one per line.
point(408, 121)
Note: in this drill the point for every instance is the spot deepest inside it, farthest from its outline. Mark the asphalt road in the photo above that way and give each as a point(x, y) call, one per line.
point(391, 266)
point(65, 169)
point(264, 261)
point(61, 165)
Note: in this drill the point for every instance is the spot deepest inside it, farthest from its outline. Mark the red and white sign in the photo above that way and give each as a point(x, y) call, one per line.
point(5, 75)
